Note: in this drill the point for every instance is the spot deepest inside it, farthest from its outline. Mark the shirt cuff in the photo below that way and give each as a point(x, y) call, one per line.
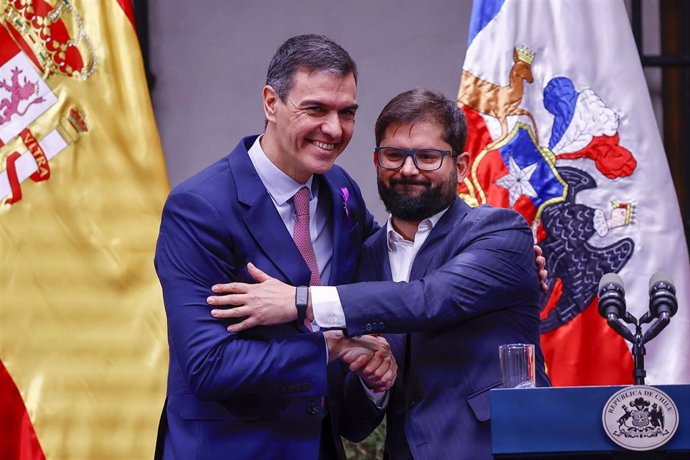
point(328, 311)
point(380, 400)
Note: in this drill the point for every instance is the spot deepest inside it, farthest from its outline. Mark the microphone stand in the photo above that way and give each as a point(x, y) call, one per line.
point(638, 340)
point(638, 350)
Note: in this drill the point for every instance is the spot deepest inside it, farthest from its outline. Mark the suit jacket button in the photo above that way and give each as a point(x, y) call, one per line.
point(382, 326)
point(312, 408)
point(368, 327)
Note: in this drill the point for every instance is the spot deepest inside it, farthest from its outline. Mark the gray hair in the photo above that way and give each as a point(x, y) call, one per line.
point(313, 53)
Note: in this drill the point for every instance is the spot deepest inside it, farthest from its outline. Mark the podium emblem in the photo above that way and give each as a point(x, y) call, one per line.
point(640, 418)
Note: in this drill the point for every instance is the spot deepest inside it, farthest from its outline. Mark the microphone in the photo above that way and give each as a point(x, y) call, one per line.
point(662, 304)
point(611, 296)
point(612, 304)
point(662, 296)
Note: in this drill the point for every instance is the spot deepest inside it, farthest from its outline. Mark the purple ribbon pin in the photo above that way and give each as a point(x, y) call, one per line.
point(345, 195)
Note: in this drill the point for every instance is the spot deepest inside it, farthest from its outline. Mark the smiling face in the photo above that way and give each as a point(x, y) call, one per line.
point(408, 193)
point(306, 132)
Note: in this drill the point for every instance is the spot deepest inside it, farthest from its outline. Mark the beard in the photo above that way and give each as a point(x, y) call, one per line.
point(404, 204)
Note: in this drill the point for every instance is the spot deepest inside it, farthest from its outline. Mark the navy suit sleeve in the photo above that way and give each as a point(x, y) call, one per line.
point(370, 226)
point(493, 269)
point(359, 416)
point(195, 251)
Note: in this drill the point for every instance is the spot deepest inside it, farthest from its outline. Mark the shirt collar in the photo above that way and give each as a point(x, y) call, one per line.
point(425, 226)
point(279, 185)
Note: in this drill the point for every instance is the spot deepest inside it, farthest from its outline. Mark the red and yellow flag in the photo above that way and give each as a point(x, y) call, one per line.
point(82, 183)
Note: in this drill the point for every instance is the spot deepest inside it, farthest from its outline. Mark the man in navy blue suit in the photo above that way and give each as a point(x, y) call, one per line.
point(277, 200)
point(453, 282)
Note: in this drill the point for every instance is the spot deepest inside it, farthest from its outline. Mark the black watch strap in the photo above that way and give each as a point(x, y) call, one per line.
point(301, 302)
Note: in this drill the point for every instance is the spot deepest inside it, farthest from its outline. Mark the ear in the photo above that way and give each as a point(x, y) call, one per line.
point(271, 99)
point(463, 165)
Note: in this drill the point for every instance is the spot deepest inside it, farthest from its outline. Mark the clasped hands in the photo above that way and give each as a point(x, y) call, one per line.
point(271, 301)
point(368, 356)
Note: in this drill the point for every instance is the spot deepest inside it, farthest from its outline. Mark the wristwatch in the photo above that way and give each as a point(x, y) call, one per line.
point(301, 302)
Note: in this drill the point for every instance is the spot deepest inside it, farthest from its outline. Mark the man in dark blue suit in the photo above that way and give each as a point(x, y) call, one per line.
point(268, 392)
point(456, 282)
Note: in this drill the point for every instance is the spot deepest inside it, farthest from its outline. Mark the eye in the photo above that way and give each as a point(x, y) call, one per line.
point(392, 154)
point(348, 114)
point(428, 156)
point(315, 111)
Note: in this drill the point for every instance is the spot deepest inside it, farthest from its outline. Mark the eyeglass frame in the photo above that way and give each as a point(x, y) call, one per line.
point(413, 153)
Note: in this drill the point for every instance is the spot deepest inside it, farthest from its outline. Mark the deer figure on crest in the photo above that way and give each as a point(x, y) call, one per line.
point(500, 101)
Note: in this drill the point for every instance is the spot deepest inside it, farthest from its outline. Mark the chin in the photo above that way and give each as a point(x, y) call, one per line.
point(324, 159)
point(322, 167)
point(413, 191)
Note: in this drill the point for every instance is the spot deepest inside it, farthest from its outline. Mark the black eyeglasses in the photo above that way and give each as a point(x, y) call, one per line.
point(424, 159)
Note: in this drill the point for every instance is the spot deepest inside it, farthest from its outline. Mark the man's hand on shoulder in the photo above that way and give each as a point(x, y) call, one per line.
point(267, 302)
point(541, 268)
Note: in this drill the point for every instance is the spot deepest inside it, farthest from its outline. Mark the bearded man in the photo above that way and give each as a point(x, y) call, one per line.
point(445, 283)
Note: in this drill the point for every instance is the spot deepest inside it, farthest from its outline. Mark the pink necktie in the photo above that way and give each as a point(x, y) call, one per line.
point(301, 234)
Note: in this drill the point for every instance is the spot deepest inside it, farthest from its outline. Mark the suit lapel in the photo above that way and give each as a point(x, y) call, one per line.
point(376, 264)
point(328, 202)
point(382, 249)
point(263, 221)
point(345, 241)
point(441, 230)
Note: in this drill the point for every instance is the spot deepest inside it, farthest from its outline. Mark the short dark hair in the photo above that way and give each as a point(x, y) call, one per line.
point(420, 105)
point(313, 53)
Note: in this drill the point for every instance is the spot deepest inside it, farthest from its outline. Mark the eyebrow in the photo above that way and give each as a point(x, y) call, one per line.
point(307, 102)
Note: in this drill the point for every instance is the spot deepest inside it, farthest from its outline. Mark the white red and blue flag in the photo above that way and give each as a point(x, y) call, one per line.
point(562, 130)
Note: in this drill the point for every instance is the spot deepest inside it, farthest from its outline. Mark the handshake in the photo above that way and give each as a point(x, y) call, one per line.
point(368, 356)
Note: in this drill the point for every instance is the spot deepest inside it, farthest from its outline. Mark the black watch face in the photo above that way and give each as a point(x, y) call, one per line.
point(301, 296)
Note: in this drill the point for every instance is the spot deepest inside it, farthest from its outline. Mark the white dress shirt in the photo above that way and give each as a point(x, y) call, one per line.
point(281, 189)
point(328, 311)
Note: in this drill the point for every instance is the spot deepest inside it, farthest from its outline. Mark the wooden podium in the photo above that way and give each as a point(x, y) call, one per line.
point(566, 423)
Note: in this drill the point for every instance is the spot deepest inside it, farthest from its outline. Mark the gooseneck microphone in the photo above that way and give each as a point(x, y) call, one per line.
point(611, 296)
point(662, 304)
point(612, 304)
point(662, 296)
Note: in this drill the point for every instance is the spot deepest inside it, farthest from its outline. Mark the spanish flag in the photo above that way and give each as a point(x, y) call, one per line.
point(82, 183)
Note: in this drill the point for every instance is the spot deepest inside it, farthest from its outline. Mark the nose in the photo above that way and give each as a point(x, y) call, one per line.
point(331, 126)
point(408, 168)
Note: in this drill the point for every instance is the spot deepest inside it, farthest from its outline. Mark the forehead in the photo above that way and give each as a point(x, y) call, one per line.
point(426, 133)
point(324, 87)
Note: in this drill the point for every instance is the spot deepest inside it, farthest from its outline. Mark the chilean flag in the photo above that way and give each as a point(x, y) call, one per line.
point(561, 129)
